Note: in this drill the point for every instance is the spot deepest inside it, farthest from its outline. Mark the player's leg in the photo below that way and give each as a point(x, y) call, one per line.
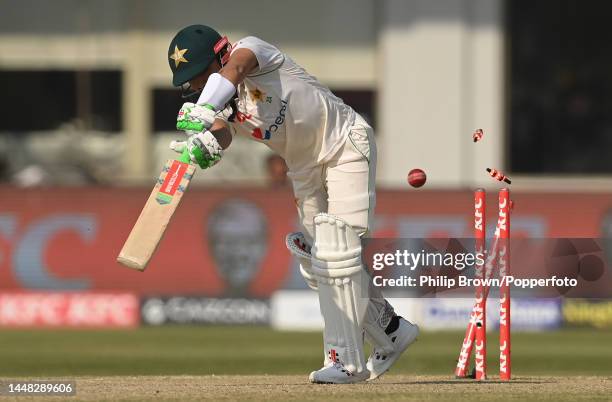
point(310, 199)
point(350, 181)
point(389, 334)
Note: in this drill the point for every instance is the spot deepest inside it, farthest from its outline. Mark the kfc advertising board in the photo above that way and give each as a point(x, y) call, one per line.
point(230, 242)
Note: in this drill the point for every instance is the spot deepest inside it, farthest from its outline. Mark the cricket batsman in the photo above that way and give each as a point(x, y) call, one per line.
point(254, 90)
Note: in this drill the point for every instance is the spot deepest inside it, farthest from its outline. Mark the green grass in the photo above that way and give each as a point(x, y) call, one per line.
point(255, 350)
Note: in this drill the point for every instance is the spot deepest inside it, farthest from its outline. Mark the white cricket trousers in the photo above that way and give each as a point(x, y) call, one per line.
point(344, 186)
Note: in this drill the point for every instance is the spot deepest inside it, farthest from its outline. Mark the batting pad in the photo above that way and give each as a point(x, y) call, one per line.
point(343, 287)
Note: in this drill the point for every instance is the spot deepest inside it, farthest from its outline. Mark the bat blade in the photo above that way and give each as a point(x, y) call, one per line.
point(156, 214)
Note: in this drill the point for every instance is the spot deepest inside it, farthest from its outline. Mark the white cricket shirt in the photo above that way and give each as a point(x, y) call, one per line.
point(286, 108)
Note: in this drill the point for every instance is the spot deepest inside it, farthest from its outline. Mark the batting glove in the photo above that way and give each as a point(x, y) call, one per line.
point(195, 118)
point(204, 149)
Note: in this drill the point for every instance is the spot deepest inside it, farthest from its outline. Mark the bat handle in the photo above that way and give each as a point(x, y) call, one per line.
point(185, 158)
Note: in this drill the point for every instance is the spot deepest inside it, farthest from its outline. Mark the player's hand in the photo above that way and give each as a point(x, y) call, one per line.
point(195, 118)
point(204, 149)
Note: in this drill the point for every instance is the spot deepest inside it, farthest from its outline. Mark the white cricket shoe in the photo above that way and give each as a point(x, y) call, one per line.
point(379, 362)
point(336, 373)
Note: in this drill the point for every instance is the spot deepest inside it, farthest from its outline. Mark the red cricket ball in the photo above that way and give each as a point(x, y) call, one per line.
point(416, 177)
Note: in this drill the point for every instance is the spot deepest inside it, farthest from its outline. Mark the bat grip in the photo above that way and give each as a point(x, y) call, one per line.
point(185, 158)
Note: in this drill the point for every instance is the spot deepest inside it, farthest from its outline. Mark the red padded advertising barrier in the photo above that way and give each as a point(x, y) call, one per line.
point(229, 242)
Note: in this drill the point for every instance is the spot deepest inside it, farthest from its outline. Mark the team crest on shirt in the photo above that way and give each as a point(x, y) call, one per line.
point(257, 95)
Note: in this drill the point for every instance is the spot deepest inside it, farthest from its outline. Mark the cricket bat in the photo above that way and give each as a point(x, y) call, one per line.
point(155, 216)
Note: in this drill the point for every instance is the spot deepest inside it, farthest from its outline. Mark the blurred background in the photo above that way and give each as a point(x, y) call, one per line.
point(87, 111)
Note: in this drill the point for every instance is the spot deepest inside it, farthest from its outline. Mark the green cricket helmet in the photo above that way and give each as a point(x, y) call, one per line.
point(193, 49)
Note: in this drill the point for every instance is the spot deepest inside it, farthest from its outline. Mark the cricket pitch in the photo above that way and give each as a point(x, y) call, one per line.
point(296, 387)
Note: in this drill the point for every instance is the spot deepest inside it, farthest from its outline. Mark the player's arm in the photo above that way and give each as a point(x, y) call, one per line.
point(241, 63)
point(208, 135)
point(220, 88)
